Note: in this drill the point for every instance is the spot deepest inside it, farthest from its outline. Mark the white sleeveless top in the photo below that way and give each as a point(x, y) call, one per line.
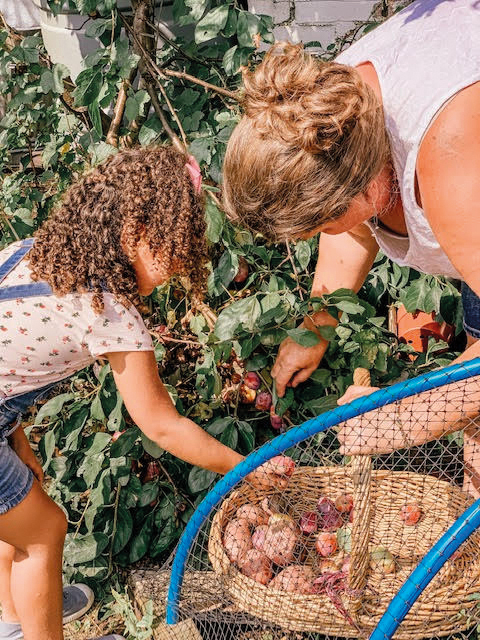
point(423, 56)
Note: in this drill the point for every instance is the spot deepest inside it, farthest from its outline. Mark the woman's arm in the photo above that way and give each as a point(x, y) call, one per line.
point(344, 261)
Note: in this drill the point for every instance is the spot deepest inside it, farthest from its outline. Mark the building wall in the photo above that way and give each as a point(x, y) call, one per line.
point(321, 21)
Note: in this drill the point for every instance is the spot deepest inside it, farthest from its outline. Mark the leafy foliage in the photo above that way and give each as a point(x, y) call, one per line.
point(125, 497)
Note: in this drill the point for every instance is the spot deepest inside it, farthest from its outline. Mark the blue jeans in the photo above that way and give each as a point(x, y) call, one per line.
point(15, 477)
point(471, 311)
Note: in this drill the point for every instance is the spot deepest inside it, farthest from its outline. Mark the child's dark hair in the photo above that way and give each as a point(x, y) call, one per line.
point(90, 239)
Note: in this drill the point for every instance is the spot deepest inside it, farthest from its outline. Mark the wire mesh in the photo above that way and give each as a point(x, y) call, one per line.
point(317, 548)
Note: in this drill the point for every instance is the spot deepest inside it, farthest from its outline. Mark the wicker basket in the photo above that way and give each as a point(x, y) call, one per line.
point(442, 609)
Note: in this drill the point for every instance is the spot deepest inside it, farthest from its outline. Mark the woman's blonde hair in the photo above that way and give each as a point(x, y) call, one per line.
point(312, 137)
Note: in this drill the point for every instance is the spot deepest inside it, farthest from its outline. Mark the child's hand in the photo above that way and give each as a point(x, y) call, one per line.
point(20, 444)
point(274, 473)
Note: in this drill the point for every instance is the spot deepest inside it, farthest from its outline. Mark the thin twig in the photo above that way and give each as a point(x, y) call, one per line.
point(32, 163)
point(173, 112)
point(175, 46)
point(206, 85)
point(292, 262)
point(114, 529)
point(177, 74)
point(177, 143)
point(162, 338)
point(10, 226)
point(216, 200)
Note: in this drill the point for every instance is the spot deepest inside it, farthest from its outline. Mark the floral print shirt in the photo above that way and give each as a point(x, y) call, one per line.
point(44, 339)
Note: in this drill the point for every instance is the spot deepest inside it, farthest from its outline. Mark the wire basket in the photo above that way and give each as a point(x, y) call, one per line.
point(378, 498)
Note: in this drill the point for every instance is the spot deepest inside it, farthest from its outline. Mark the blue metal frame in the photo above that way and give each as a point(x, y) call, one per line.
point(427, 569)
point(405, 389)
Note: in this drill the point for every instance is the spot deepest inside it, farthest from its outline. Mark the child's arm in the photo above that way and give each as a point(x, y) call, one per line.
point(151, 408)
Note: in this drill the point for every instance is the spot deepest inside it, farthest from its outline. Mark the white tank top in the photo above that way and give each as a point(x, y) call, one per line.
point(423, 56)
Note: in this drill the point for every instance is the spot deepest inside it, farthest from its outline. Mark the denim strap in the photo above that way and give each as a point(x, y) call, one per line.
point(15, 258)
point(21, 290)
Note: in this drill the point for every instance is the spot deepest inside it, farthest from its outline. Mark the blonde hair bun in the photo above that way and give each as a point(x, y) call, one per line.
point(304, 102)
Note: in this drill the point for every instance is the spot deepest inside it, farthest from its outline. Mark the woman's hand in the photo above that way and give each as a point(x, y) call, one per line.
point(20, 444)
point(295, 364)
point(274, 473)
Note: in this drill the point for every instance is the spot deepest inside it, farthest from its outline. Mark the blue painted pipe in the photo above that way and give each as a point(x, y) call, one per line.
point(427, 569)
point(405, 389)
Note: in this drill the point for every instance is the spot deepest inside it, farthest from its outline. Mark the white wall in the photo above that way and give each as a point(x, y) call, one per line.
point(315, 20)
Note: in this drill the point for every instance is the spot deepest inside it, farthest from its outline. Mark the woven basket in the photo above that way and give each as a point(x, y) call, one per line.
point(378, 498)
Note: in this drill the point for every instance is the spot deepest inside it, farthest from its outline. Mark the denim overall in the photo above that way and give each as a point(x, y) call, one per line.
point(15, 477)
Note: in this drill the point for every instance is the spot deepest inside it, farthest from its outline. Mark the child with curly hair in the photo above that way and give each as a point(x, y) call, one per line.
point(66, 298)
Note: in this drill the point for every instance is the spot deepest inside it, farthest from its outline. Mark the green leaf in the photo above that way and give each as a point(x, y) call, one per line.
point(90, 468)
point(101, 151)
point(201, 148)
point(415, 294)
point(282, 404)
point(48, 447)
point(149, 493)
point(303, 253)
point(215, 220)
point(211, 24)
point(94, 113)
point(89, 84)
point(99, 443)
point(131, 109)
point(350, 307)
point(151, 447)
point(96, 409)
point(218, 426)
point(52, 407)
point(246, 435)
point(321, 376)
point(229, 436)
point(242, 312)
point(257, 362)
point(46, 81)
point(140, 543)
point(97, 27)
point(197, 8)
point(124, 443)
point(248, 25)
point(81, 549)
point(327, 332)
point(116, 421)
point(320, 405)
point(124, 529)
point(150, 131)
point(304, 337)
point(165, 539)
point(231, 25)
point(200, 479)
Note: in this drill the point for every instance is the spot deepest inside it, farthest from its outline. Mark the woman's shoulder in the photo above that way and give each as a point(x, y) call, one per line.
point(455, 129)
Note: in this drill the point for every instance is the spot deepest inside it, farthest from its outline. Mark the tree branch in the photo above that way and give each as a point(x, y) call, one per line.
point(112, 134)
point(164, 73)
point(177, 143)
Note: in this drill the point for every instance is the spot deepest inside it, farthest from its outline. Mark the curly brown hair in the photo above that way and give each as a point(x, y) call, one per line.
point(89, 241)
